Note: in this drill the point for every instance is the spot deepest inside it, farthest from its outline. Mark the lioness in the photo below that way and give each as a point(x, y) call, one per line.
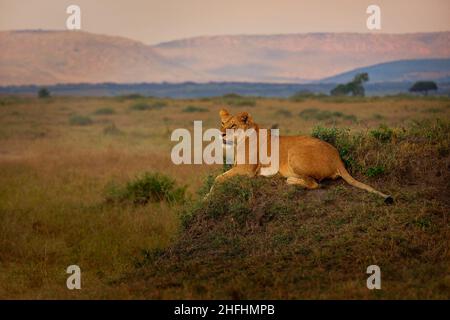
point(303, 160)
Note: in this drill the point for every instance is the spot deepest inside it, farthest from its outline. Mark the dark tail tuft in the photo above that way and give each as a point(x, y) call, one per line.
point(389, 200)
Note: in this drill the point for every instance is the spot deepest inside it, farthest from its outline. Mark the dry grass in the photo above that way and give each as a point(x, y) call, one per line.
point(52, 210)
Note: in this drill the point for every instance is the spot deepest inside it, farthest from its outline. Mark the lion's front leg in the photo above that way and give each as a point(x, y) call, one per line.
point(220, 178)
point(235, 171)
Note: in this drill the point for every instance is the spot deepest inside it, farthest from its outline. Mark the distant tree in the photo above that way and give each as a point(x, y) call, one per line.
point(43, 93)
point(423, 86)
point(354, 87)
point(340, 90)
point(357, 83)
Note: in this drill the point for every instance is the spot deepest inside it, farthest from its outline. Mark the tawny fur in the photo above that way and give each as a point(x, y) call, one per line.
point(303, 160)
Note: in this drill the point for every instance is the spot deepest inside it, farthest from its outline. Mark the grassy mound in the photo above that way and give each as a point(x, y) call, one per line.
point(260, 238)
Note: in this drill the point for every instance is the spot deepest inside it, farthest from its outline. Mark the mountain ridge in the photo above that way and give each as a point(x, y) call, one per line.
point(398, 71)
point(45, 57)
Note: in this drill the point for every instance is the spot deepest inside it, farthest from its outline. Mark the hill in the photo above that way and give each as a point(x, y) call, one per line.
point(299, 57)
point(50, 57)
point(399, 71)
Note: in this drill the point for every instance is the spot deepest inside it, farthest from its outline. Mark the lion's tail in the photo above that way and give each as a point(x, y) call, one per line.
point(352, 181)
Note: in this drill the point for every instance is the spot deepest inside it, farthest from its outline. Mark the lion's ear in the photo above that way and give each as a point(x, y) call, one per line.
point(224, 113)
point(244, 117)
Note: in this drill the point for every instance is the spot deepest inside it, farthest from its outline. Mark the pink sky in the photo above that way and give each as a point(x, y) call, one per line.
point(153, 21)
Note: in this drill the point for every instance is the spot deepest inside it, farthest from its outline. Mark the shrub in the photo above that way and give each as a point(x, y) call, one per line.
point(149, 187)
point(432, 130)
point(194, 109)
point(232, 96)
point(374, 171)
point(308, 114)
point(158, 105)
point(377, 116)
point(104, 111)
point(78, 120)
point(329, 135)
point(383, 133)
point(350, 117)
point(44, 93)
point(243, 103)
point(304, 95)
point(112, 129)
point(342, 141)
point(140, 106)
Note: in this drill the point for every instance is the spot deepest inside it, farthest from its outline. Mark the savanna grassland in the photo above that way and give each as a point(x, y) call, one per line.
point(89, 181)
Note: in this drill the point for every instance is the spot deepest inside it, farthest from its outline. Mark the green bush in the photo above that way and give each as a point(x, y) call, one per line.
point(104, 111)
point(149, 187)
point(78, 120)
point(232, 96)
point(341, 139)
point(44, 93)
point(431, 129)
point(158, 105)
point(383, 134)
point(243, 103)
point(194, 109)
point(112, 129)
point(142, 106)
point(329, 135)
point(377, 116)
point(305, 95)
point(374, 171)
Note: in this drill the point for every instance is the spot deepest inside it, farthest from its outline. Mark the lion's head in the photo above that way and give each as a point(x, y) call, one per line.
point(242, 121)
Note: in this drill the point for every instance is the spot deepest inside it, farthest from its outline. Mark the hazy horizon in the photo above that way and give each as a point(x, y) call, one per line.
point(153, 21)
point(224, 35)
